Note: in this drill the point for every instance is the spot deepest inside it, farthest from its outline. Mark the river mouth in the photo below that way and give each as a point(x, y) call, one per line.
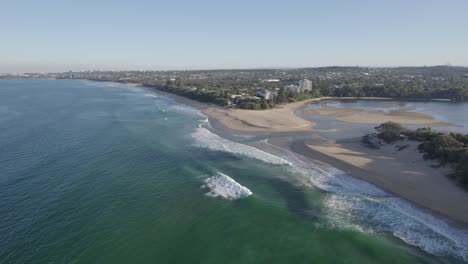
point(353, 117)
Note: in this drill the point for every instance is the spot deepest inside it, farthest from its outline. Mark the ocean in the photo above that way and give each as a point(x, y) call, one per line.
point(96, 172)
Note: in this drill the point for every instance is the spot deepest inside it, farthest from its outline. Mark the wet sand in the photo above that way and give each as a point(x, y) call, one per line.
point(366, 116)
point(402, 173)
point(284, 119)
point(280, 119)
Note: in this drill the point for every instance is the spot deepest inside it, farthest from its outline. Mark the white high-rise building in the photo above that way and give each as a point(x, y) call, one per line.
point(305, 85)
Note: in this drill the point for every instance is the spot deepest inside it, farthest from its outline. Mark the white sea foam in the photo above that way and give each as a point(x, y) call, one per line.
point(395, 216)
point(187, 110)
point(335, 181)
point(355, 204)
point(358, 205)
point(151, 95)
point(225, 187)
point(204, 138)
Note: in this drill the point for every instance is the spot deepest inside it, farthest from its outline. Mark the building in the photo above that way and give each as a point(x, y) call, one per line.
point(265, 94)
point(292, 87)
point(270, 81)
point(305, 85)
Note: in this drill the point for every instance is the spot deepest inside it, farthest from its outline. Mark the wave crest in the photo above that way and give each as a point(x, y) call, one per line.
point(204, 138)
point(355, 204)
point(225, 187)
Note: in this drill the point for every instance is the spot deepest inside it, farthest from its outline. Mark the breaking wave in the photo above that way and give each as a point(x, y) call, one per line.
point(395, 216)
point(204, 138)
point(357, 205)
point(354, 204)
point(187, 110)
point(225, 187)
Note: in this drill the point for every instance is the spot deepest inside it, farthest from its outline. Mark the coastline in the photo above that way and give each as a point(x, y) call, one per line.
point(428, 188)
point(280, 119)
point(283, 118)
point(403, 174)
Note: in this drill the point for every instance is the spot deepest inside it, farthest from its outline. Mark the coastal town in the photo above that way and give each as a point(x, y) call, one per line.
point(263, 89)
point(230, 95)
point(234, 132)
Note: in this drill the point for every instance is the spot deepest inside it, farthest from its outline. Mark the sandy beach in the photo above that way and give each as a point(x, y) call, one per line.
point(281, 119)
point(284, 119)
point(366, 116)
point(402, 173)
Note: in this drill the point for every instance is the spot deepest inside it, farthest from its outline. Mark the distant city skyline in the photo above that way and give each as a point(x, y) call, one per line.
point(53, 35)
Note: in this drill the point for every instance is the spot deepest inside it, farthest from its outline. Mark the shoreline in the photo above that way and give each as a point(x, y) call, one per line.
point(283, 118)
point(452, 209)
point(431, 191)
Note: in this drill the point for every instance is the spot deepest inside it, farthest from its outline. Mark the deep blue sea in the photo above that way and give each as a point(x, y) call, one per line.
point(106, 173)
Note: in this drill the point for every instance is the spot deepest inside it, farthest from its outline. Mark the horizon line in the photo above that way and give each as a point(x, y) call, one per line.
point(236, 69)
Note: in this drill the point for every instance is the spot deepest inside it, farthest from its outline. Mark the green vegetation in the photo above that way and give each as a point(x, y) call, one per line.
point(402, 92)
point(390, 131)
point(218, 97)
point(238, 88)
point(256, 104)
point(222, 97)
point(447, 148)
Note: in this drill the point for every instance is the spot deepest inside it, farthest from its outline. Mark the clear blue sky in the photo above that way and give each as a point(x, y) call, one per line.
point(54, 35)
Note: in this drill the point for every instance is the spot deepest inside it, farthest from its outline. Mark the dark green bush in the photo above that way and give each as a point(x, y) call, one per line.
point(390, 131)
point(448, 148)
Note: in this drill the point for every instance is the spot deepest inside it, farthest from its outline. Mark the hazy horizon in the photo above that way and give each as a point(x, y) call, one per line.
point(53, 36)
point(84, 68)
